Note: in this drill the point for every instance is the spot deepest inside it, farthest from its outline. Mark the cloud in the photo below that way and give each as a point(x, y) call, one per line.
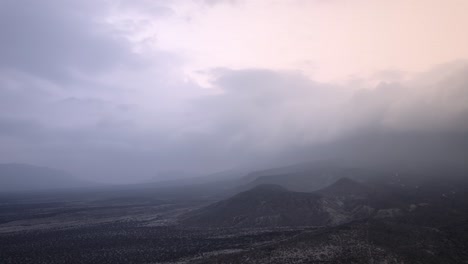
point(255, 117)
point(20, 129)
point(262, 113)
point(58, 39)
point(432, 101)
point(268, 108)
point(84, 88)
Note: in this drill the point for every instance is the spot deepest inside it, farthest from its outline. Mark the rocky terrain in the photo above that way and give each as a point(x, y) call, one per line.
point(271, 205)
point(262, 206)
point(399, 218)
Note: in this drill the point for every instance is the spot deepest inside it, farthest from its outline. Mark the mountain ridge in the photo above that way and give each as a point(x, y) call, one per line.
point(270, 205)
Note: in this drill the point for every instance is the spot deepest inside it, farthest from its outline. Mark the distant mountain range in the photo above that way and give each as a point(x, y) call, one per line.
point(388, 218)
point(345, 200)
point(323, 212)
point(301, 179)
point(23, 177)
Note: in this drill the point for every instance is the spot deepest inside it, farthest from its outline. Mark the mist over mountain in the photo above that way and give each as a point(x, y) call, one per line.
point(233, 131)
point(16, 177)
point(252, 118)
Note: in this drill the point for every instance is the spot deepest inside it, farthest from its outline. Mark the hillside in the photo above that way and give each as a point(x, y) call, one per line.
point(262, 206)
point(273, 205)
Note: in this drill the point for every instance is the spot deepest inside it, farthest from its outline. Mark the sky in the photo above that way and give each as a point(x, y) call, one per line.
point(129, 91)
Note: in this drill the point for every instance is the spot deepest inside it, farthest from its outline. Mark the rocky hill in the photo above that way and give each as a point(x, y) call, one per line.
point(262, 206)
point(273, 205)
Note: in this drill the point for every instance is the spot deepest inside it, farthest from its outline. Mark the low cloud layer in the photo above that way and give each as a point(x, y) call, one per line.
point(82, 94)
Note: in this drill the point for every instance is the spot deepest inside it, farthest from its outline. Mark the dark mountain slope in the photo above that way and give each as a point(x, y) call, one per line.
point(273, 205)
point(346, 187)
point(262, 206)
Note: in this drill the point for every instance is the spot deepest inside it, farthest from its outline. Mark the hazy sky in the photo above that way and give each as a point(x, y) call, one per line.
point(124, 91)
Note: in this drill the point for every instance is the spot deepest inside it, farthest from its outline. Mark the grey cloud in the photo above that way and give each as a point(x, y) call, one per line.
point(437, 102)
point(20, 129)
point(217, 2)
point(267, 106)
point(117, 119)
point(150, 7)
point(56, 39)
point(268, 114)
point(128, 117)
point(258, 118)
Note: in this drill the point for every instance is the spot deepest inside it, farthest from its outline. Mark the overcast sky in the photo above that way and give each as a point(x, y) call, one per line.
point(126, 91)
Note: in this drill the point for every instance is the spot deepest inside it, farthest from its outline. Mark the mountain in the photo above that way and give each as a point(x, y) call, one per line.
point(23, 177)
point(262, 206)
point(347, 200)
point(306, 177)
point(272, 205)
point(346, 187)
point(408, 220)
